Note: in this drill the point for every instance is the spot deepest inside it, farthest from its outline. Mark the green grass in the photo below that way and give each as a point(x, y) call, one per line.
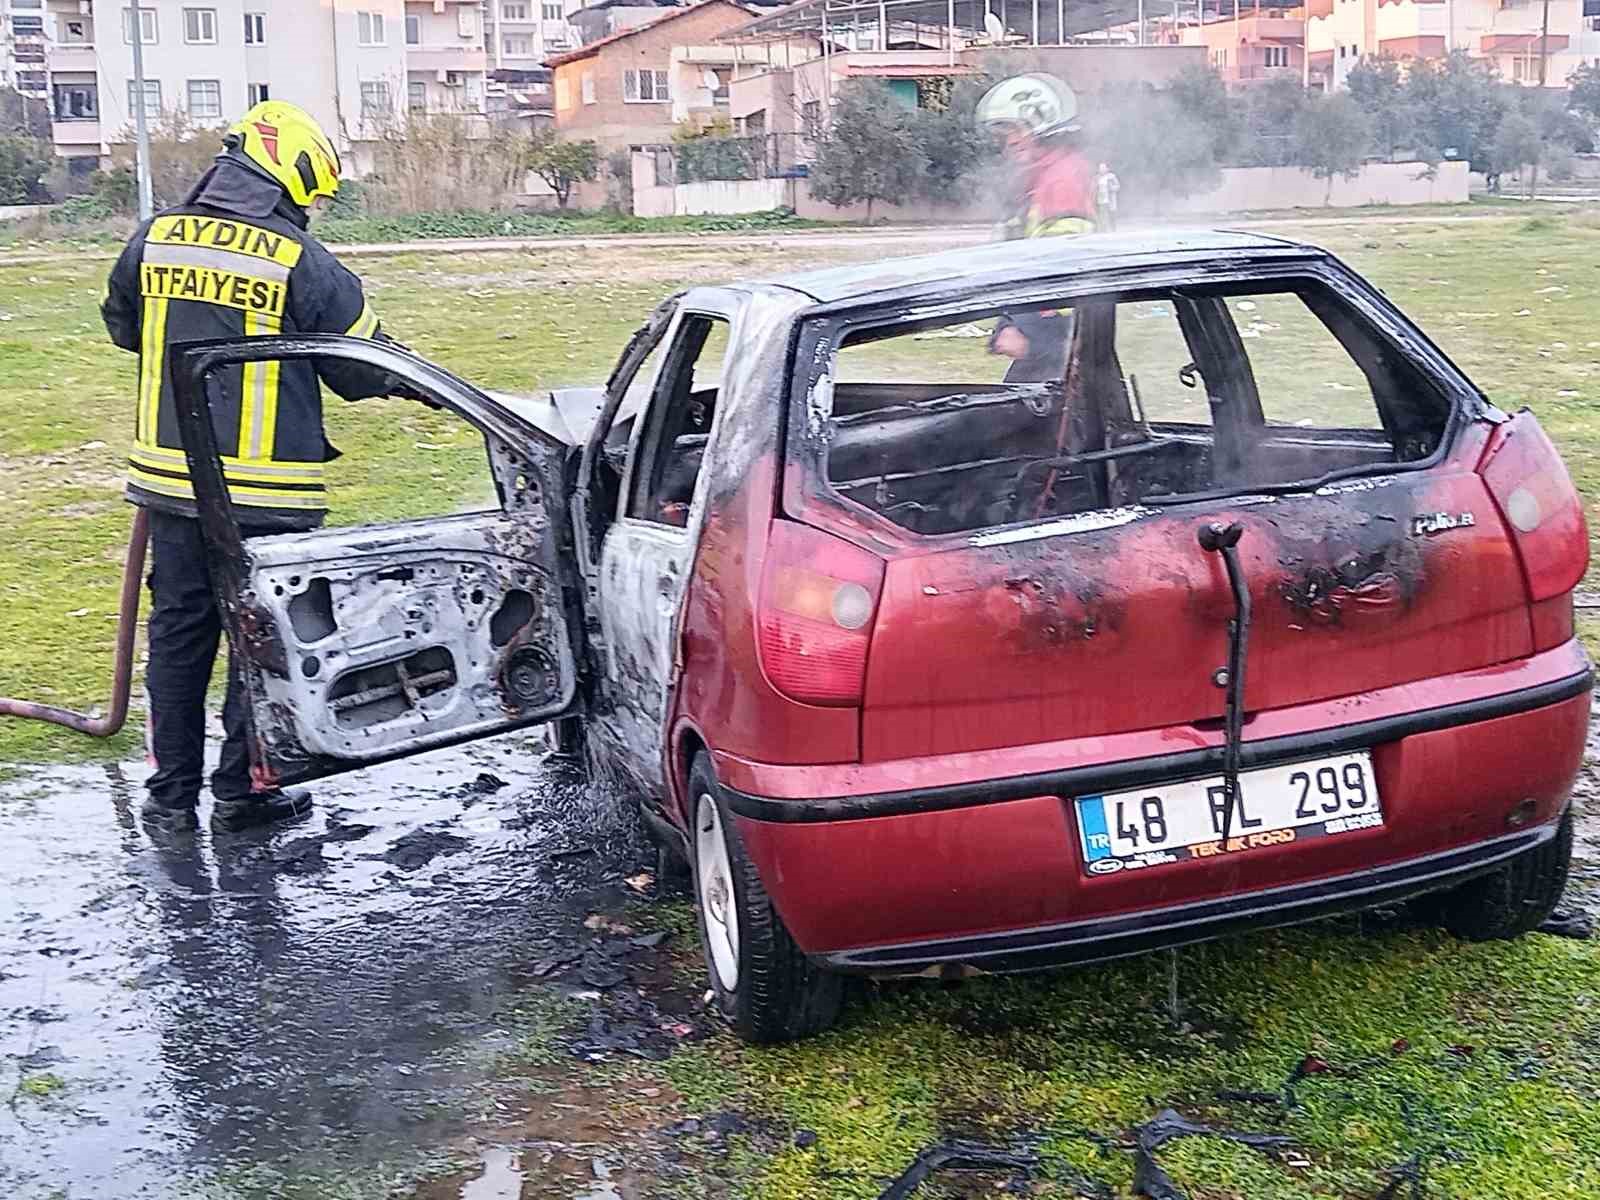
point(41, 1086)
point(1479, 1060)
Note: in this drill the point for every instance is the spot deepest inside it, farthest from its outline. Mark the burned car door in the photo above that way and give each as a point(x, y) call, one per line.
point(370, 643)
point(648, 551)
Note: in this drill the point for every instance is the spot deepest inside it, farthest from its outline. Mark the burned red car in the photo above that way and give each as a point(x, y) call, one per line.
point(1018, 606)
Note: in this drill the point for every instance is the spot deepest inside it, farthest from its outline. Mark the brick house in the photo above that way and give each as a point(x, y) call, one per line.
point(617, 90)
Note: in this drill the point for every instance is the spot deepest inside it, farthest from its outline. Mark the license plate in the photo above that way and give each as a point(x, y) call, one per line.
point(1168, 823)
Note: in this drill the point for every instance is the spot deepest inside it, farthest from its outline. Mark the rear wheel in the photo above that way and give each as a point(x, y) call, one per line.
point(765, 986)
point(1514, 900)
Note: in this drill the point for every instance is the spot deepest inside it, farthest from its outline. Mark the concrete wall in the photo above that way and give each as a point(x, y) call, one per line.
point(1242, 189)
point(724, 196)
point(1246, 188)
point(16, 212)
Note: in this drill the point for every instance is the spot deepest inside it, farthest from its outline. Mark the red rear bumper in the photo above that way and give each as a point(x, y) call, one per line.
point(900, 867)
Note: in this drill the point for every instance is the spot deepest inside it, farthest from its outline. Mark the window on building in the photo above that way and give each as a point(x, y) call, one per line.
point(1276, 56)
point(467, 22)
point(200, 26)
point(375, 102)
point(416, 96)
point(563, 93)
point(588, 87)
point(645, 87)
point(519, 45)
point(255, 93)
point(76, 102)
point(32, 81)
point(255, 29)
point(811, 118)
point(152, 99)
point(413, 31)
point(205, 99)
point(73, 31)
point(552, 12)
point(369, 30)
point(514, 12)
point(147, 26)
point(23, 24)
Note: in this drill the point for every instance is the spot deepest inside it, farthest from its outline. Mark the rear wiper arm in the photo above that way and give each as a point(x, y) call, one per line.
point(1217, 538)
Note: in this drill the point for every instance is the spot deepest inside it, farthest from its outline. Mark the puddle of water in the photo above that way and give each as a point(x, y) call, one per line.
point(501, 1178)
point(328, 996)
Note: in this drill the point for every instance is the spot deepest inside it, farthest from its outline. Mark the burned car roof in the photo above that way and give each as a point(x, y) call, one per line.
point(1035, 258)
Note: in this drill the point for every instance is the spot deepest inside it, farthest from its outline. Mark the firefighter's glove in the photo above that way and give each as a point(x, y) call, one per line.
point(401, 390)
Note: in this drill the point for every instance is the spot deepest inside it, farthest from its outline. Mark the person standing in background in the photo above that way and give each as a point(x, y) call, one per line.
point(1106, 187)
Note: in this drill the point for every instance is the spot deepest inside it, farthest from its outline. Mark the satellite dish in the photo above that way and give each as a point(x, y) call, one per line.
point(709, 81)
point(993, 27)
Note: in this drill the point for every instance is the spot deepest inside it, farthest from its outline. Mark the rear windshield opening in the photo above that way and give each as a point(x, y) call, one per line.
point(1136, 398)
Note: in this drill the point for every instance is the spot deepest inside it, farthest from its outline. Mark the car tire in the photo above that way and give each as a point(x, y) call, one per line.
point(762, 982)
point(1513, 900)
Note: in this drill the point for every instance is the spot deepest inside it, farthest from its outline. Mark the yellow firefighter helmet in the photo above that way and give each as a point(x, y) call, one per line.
point(285, 142)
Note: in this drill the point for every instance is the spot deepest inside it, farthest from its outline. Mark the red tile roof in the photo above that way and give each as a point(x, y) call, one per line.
point(668, 14)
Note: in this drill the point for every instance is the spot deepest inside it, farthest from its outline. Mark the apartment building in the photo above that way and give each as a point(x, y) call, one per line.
point(523, 33)
point(359, 66)
point(519, 35)
point(1508, 33)
point(23, 47)
point(1253, 44)
point(446, 61)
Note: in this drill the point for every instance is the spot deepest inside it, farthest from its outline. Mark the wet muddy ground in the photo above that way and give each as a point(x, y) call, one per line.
point(424, 990)
point(339, 1002)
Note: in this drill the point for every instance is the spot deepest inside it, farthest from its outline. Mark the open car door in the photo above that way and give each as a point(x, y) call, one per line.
point(375, 642)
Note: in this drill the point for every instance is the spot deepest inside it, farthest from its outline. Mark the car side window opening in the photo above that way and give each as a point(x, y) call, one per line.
point(678, 424)
point(1158, 396)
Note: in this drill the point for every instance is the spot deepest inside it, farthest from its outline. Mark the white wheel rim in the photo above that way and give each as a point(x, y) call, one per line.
point(717, 903)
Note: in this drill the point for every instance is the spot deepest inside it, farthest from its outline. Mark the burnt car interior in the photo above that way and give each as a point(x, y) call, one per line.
point(677, 425)
point(1153, 396)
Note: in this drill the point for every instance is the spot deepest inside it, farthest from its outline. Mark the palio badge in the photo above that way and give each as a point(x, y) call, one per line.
point(1424, 524)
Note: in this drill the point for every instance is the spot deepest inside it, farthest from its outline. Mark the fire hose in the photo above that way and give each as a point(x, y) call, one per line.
point(122, 674)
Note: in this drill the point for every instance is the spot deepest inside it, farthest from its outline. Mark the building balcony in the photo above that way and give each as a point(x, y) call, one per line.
point(446, 58)
point(77, 57)
point(75, 133)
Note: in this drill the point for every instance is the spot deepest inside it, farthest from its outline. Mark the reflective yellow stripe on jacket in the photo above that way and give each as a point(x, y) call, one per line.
point(238, 266)
point(278, 485)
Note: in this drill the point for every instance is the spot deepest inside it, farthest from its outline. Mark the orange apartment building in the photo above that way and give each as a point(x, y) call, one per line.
point(1253, 44)
point(1322, 40)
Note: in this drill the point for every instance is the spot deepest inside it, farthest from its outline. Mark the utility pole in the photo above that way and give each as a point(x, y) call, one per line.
point(1544, 41)
point(140, 125)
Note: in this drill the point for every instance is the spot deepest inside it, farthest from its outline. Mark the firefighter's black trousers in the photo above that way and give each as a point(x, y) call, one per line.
point(185, 629)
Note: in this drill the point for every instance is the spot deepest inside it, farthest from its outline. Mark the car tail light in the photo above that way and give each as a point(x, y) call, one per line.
point(1541, 508)
point(818, 598)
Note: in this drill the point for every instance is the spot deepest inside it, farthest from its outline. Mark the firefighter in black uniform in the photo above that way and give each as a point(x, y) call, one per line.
point(234, 259)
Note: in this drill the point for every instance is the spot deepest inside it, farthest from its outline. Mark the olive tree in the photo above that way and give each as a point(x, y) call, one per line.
point(1331, 138)
point(868, 150)
point(562, 164)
